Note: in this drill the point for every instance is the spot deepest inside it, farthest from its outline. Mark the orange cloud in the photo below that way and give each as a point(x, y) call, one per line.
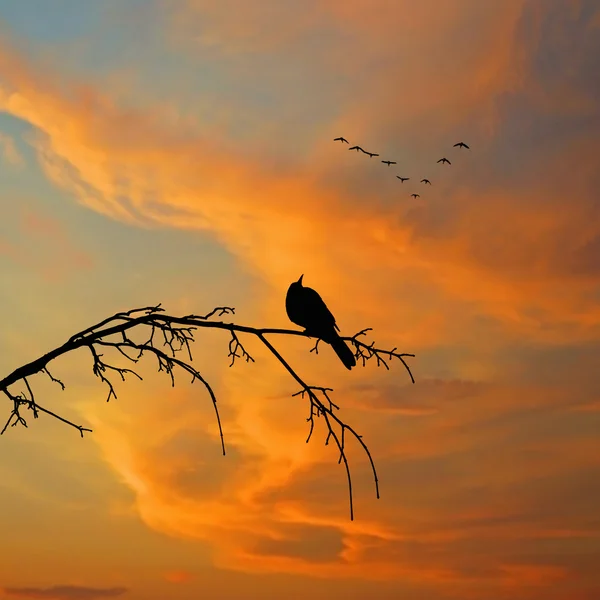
point(492, 264)
point(178, 576)
point(456, 484)
point(252, 210)
point(535, 575)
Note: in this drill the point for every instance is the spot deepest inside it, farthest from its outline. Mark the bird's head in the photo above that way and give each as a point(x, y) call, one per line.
point(297, 284)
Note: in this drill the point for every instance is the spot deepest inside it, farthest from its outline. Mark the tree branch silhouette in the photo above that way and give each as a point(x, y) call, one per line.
point(168, 341)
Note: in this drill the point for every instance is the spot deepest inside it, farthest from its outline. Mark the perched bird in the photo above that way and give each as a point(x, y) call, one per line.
point(389, 162)
point(443, 160)
point(306, 308)
point(415, 196)
point(357, 148)
point(340, 139)
point(371, 154)
point(461, 145)
point(426, 181)
point(402, 179)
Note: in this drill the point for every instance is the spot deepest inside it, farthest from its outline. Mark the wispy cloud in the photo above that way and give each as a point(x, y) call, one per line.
point(43, 244)
point(9, 151)
point(239, 196)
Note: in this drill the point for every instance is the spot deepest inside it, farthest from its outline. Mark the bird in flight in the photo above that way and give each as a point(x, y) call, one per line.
point(426, 181)
point(371, 154)
point(389, 162)
point(340, 139)
point(357, 148)
point(461, 145)
point(444, 160)
point(306, 308)
point(415, 196)
point(402, 179)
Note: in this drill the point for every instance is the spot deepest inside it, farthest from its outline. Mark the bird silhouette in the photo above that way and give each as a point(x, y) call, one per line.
point(443, 160)
point(306, 308)
point(402, 179)
point(341, 139)
point(371, 154)
point(461, 145)
point(415, 196)
point(426, 181)
point(389, 162)
point(357, 148)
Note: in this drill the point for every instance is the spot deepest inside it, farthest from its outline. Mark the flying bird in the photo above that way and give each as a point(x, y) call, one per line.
point(415, 196)
point(340, 139)
point(461, 145)
point(389, 162)
point(306, 308)
point(426, 181)
point(371, 154)
point(357, 148)
point(402, 179)
point(443, 160)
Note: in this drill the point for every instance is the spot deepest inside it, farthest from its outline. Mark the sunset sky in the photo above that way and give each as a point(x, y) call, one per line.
point(181, 152)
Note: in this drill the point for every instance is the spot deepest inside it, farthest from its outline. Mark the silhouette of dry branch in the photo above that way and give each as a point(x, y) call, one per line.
point(168, 341)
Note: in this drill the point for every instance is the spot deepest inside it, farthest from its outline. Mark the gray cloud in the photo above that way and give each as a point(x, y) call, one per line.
point(424, 399)
point(311, 543)
point(66, 592)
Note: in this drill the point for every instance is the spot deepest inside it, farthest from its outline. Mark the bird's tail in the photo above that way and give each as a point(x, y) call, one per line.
point(343, 351)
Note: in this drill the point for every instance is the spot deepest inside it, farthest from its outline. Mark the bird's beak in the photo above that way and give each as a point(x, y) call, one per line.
point(300, 280)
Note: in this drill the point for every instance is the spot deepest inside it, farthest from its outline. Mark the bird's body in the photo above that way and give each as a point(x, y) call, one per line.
point(306, 308)
point(341, 139)
point(402, 179)
point(371, 154)
point(426, 181)
point(461, 145)
point(415, 196)
point(389, 162)
point(444, 160)
point(358, 149)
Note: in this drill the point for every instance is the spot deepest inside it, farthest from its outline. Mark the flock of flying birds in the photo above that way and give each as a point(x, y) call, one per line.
point(442, 160)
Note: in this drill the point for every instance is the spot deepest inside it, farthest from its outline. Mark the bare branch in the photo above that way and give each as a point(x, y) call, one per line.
point(365, 352)
point(20, 400)
point(53, 379)
point(170, 336)
point(236, 347)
